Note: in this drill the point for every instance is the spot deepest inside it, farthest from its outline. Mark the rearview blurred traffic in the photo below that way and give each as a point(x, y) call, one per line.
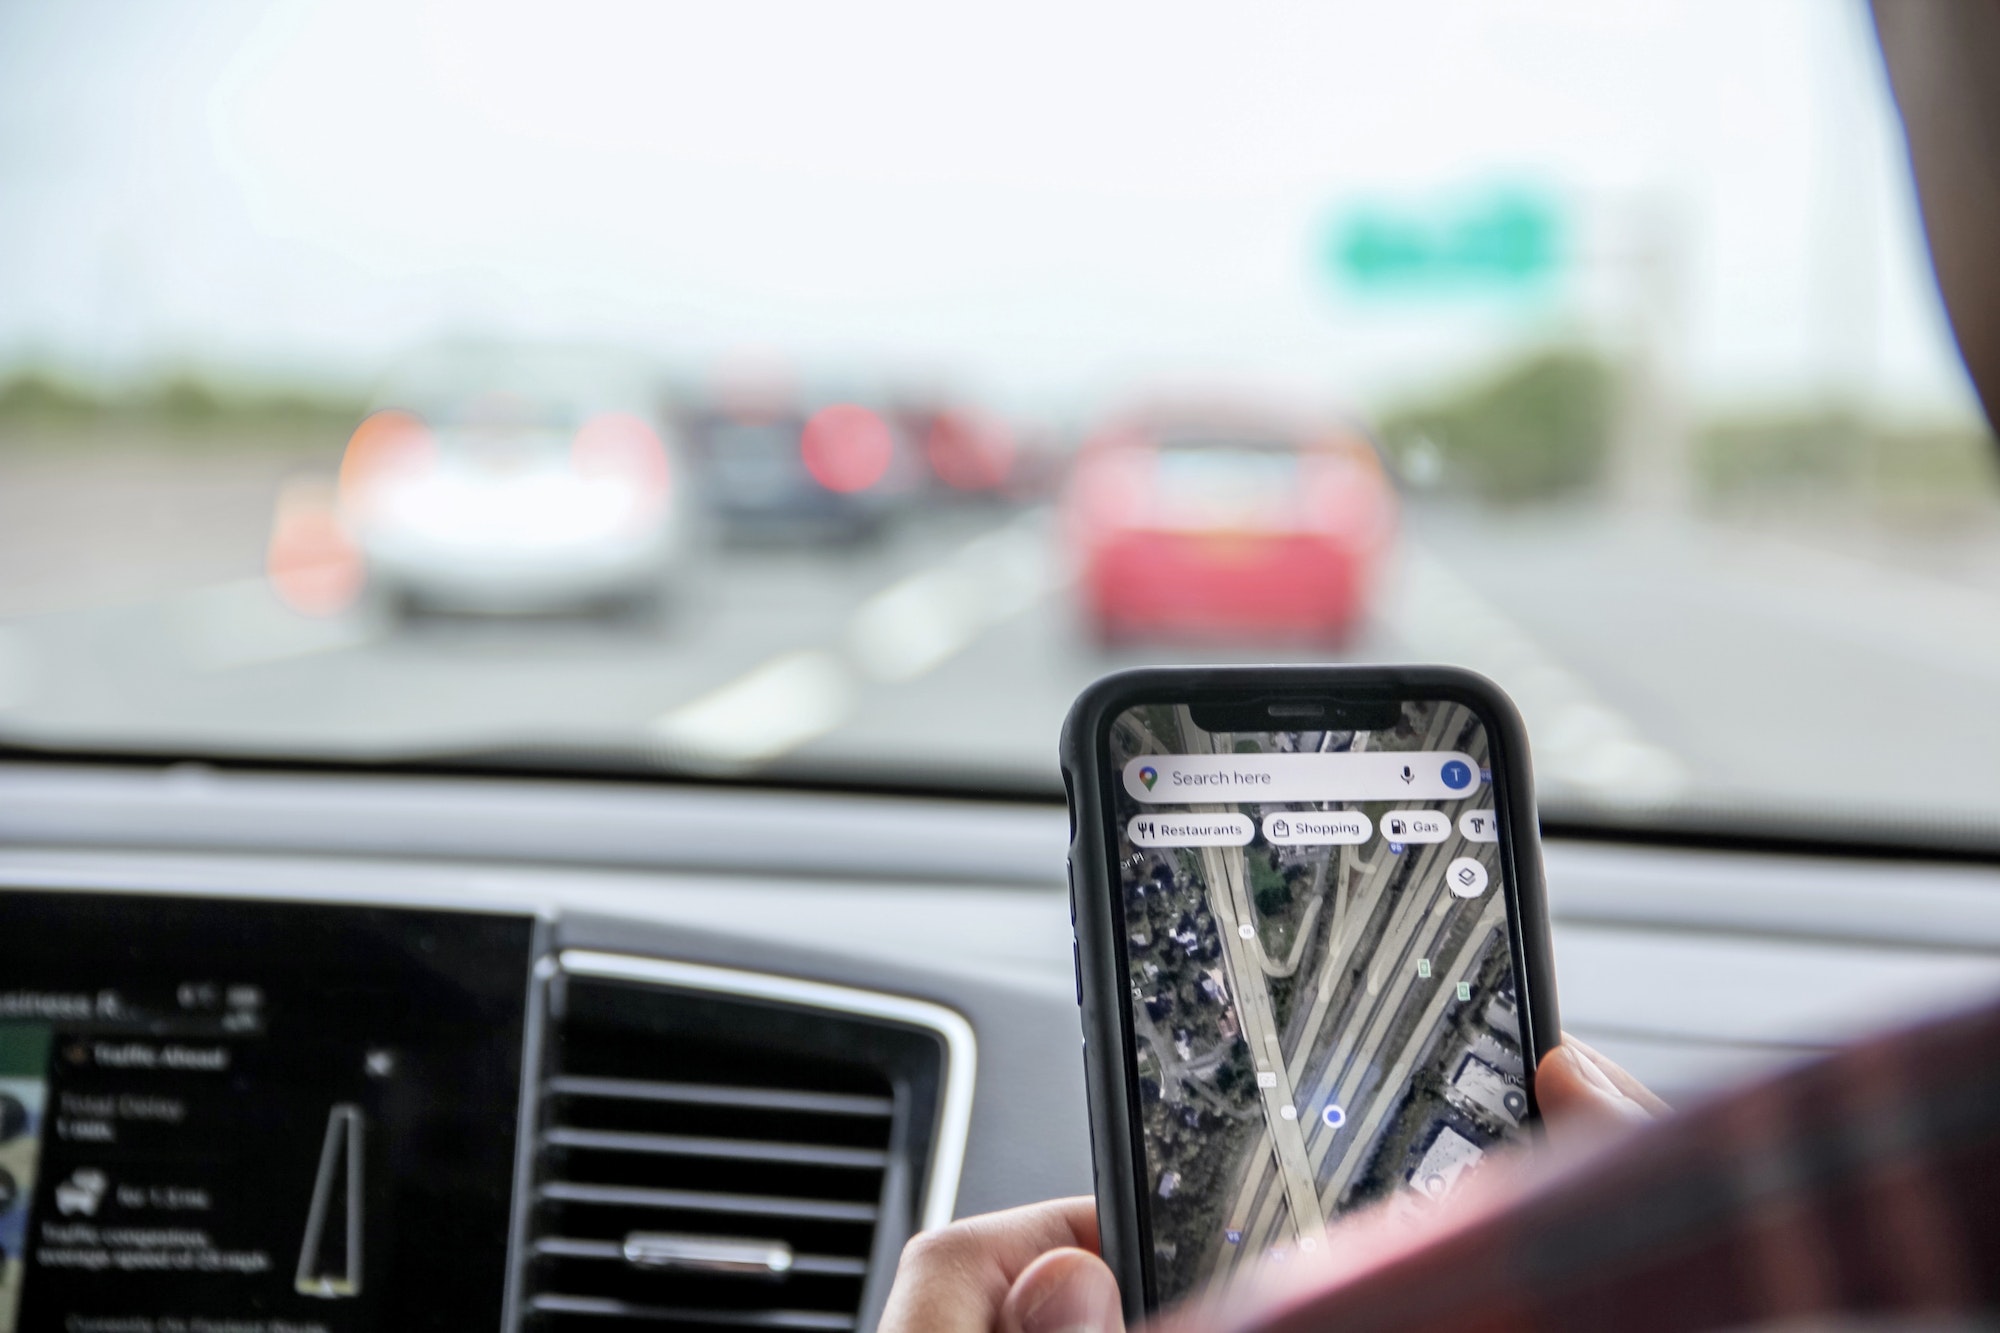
point(510, 482)
point(1227, 523)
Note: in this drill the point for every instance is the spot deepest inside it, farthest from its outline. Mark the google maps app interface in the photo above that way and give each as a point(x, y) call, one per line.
point(1323, 996)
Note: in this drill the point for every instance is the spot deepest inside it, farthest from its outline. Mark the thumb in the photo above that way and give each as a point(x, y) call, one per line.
point(1064, 1291)
point(1580, 1100)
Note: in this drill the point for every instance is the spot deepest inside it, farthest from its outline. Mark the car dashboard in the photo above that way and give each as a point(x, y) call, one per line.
point(290, 1049)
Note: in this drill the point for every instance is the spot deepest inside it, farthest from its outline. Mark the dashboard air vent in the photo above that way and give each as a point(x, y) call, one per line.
point(726, 1151)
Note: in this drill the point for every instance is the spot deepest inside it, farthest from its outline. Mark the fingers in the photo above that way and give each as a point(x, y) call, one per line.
point(1016, 1237)
point(1579, 1094)
point(954, 1279)
point(1612, 1070)
point(1064, 1291)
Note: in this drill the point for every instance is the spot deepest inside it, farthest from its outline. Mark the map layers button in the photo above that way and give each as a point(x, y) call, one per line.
point(1465, 877)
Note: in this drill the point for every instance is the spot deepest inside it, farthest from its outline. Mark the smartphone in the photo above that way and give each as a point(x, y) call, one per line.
point(1312, 953)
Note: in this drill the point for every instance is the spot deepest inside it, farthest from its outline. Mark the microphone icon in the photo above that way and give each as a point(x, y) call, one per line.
point(1408, 776)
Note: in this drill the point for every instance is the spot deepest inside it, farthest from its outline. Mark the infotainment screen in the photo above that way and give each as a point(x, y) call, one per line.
point(257, 1117)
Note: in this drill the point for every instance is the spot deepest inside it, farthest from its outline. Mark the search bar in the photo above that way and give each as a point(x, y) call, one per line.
point(1388, 775)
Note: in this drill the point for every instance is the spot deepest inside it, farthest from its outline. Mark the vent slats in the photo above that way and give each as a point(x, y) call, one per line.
point(603, 1308)
point(701, 1094)
point(704, 1201)
point(684, 1136)
point(682, 1145)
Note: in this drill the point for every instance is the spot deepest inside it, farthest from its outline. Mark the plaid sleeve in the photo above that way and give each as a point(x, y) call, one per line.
point(1866, 1184)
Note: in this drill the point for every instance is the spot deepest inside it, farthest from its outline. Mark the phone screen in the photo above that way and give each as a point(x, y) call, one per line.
point(1324, 999)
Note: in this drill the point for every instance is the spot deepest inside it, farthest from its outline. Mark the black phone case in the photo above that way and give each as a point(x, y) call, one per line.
point(1109, 1061)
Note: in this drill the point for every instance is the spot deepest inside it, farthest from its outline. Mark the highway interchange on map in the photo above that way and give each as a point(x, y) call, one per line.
point(1317, 1026)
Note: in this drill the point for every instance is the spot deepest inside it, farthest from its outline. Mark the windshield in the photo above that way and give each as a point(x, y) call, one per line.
point(772, 389)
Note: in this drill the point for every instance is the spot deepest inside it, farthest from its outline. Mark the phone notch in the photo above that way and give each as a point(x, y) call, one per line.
point(1294, 712)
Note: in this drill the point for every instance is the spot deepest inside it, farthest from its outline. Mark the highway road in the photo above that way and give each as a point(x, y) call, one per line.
point(1355, 1056)
point(1654, 660)
point(1244, 960)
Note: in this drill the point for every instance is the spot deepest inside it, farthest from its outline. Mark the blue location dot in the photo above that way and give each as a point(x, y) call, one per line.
point(1334, 1117)
point(1457, 774)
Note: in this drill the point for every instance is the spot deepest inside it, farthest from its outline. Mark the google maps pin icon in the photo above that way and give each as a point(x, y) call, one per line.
point(1148, 776)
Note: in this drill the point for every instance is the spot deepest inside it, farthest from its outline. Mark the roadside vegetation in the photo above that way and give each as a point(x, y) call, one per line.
point(1930, 469)
point(1536, 429)
point(1545, 427)
point(43, 410)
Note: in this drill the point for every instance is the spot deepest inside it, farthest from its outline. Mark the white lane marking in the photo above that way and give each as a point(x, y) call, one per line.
point(1578, 741)
point(1018, 563)
point(914, 626)
point(789, 700)
point(242, 623)
point(911, 627)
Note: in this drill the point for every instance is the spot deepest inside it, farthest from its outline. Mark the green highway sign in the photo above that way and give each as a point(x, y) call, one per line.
point(1496, 240)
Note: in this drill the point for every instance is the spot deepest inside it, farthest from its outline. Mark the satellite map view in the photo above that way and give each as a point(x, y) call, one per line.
point(1323, 997)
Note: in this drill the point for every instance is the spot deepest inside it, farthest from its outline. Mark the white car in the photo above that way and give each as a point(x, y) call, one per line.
point(514, 483)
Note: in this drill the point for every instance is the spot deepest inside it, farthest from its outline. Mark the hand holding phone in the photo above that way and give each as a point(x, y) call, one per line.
point(1312, 951)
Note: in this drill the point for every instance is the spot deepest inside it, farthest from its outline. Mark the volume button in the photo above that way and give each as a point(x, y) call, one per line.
point(1076, 967)
point(1070, 866)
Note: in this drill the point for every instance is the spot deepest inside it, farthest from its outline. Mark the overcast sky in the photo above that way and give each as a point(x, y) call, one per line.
point(1046, 199)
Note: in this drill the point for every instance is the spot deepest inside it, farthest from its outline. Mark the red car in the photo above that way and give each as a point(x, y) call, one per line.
point(1214, 524)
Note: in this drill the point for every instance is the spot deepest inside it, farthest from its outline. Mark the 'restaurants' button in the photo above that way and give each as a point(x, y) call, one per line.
point(1176, 829)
